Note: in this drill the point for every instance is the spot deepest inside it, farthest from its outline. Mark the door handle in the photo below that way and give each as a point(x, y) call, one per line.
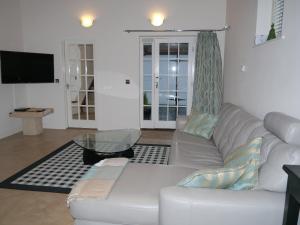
point(156, 80)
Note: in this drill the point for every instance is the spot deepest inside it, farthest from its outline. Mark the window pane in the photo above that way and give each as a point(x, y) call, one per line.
point(91, 113)
point(90, 67)
point(89, 51)
point(174, 50)
point(182, 98)
point(163, 67)
point(147, 49)
point(75, 113)
point(81, 49)
point(163, 98)
point(90, 83)
point(163, 113)
point(163, 48)
point(74, 98)
point(182, 111)
point(182, 83)
point(183, 50)
point(147, 67)
point(147, 83)
point(83, 113)
point(82, 67)
point(147, 112)
point(277, 15)
point(172, 114)
point(91, 98)
point(147, 98)
point(82, 98)
point(269, 13)
point(173, 83)
point(183, 68)
point(163, 83)
point(172, 98)
point(147, 70)
point(173, 67)
point(83, 86)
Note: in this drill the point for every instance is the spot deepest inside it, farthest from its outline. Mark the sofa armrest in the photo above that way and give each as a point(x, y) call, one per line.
point(200, 206)
point(180, 122)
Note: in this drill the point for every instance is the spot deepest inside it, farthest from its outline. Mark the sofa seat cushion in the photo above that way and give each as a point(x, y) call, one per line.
point(195, 152)
point(134, 197)
point(182, 137)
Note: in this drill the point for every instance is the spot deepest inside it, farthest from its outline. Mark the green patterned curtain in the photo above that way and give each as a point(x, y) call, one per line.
point(208, 81)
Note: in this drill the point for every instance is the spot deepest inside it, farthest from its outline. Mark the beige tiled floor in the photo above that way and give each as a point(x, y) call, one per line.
point(40, 208)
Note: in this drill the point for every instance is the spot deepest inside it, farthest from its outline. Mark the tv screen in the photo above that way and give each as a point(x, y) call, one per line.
point(25, 67)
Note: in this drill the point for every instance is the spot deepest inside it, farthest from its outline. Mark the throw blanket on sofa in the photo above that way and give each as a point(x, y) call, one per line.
point(99, 180)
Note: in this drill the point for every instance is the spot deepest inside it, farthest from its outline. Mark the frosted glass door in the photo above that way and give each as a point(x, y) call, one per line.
point(80, 84)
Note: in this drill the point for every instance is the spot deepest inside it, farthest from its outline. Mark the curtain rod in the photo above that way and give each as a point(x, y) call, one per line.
point(192, 30)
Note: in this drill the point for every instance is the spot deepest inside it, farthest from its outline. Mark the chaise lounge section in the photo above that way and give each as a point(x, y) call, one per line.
point(147, 194)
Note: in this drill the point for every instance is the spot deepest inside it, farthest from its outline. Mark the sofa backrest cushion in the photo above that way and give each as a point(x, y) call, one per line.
point(283, 126)
point(282, 149)
point(269, 142)
point(271, 175)
point(227, 112)
point(234, 128)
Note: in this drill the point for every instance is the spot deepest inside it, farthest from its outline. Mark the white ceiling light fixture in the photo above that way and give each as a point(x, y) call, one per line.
point(87, 21)
point(157, 19)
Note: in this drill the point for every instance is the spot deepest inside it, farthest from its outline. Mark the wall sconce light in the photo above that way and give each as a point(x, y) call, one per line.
point(87, 21)
point(157, 19)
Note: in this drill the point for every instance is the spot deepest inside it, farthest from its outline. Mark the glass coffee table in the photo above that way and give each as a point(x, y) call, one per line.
point(107, 144)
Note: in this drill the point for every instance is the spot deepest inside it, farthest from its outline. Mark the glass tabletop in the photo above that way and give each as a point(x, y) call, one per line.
point(108, 141)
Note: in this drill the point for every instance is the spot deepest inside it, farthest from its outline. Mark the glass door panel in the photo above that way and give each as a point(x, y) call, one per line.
point(172, 84)
point(166, 80)
point(147, 81)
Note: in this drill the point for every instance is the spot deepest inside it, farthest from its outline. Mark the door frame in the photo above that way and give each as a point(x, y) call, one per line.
point(155, 40)
point(79, 123)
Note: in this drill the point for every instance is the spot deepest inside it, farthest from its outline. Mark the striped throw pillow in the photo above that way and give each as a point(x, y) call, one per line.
point(245, 155)
point(201, 124)
point(240, 171)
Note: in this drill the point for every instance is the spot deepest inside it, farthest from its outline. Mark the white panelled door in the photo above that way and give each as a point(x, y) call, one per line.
point(166, 80)
point(79, 60)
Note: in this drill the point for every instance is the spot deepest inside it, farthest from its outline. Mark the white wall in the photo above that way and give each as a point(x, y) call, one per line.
point(272, 79)
point(10, 39)
point(46, 24)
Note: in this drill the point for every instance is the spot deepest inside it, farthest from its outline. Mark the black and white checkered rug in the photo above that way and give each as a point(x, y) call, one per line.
point(61, 169)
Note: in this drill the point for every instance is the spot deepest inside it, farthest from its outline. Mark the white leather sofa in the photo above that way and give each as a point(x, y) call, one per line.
point(147, 194)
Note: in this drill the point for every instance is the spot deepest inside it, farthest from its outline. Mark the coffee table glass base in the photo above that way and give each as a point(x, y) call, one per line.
point(91, 157)
point(107, 144)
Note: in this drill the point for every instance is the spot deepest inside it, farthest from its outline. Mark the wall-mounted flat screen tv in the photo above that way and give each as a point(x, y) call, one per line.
point(26, 67)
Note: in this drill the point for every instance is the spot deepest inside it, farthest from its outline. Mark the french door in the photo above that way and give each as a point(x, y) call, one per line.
point(166, 80)
point(79, 60)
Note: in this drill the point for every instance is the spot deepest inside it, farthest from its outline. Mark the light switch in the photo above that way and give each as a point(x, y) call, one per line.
point(127, 81)
point(243, 68)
